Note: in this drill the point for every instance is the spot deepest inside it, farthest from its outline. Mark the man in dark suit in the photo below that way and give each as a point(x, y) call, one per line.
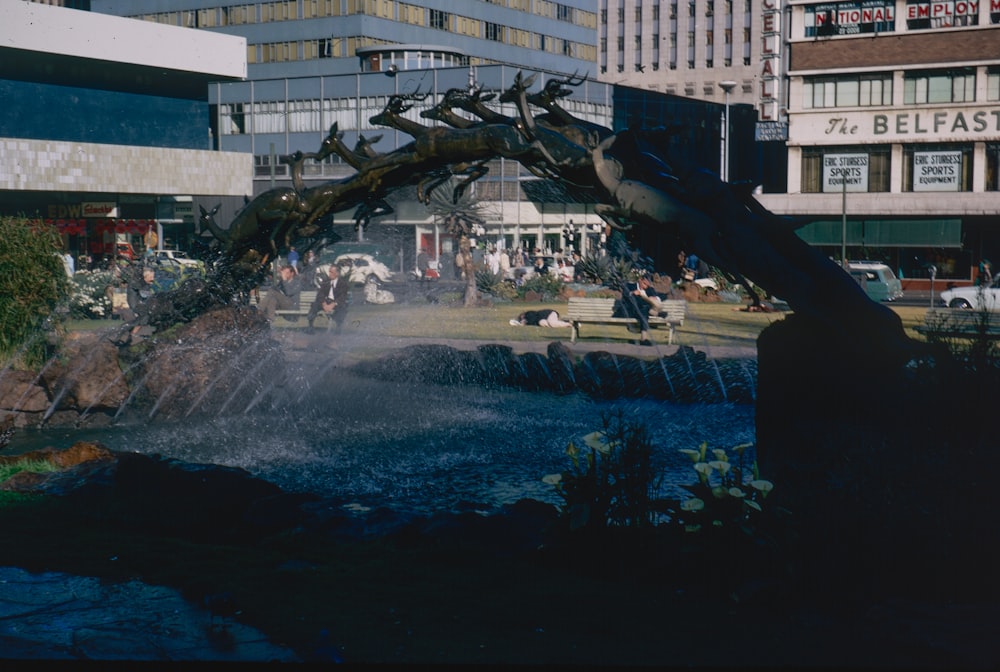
point(331, 298)
point(636, 300)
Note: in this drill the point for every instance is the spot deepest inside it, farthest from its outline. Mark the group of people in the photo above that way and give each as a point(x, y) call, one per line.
point(331, 296)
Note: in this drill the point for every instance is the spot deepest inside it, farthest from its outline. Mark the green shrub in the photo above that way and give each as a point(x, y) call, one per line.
point(546, 285)
point(32, 283)
point(596, 269)
point(493, 284)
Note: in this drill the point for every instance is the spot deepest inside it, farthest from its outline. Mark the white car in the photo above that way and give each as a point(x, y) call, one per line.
point(361, 267)
point(973, 298)
point(178, 256)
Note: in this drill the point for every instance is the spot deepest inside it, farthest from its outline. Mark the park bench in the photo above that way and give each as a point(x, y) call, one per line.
point(584, 310)
point(306, 298)
point(960, 323)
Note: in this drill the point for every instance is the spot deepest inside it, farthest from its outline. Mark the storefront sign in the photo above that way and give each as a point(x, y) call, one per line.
point(850, 18)
point(770, 61)
point(937, 10)
point(937, 171)
point(87, 209)
point(966, 124)
point(845, 171)
point(99, 209)
point(771, 131)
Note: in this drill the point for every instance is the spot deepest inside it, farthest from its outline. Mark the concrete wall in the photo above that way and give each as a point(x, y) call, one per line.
point(44, 165)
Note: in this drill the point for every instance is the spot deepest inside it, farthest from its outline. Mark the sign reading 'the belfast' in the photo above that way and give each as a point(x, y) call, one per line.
point(831, 127)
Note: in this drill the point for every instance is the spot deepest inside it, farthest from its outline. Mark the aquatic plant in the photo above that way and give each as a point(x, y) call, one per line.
point(727, 494)
point(612, 482)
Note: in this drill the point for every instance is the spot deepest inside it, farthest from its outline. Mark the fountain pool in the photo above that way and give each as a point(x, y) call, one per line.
point(414, 448)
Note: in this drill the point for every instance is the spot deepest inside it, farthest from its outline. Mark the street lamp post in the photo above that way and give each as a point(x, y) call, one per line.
point(727, 86)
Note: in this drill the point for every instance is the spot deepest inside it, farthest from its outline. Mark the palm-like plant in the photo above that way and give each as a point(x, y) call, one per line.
point(463, 216)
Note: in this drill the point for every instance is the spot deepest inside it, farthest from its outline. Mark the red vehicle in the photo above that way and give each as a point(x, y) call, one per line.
point(125, 251)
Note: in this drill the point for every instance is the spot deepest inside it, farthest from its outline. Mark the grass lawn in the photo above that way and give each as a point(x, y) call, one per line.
point(707, 324)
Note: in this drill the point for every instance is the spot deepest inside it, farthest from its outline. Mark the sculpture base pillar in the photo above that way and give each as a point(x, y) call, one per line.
point(885, 492)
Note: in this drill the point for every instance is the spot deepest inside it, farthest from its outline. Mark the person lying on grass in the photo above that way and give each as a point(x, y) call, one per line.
point(540, 318)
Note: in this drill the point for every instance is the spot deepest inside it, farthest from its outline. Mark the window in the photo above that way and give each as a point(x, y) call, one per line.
point(853, 91)
point(233, 119)
point(993, 167)
point(494, 31)
point(921, 14)
point(866, 169)
point(993, 84)
point(945, 86)
point(439, 19)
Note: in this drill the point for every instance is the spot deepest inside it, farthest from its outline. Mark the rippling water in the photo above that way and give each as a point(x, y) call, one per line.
point(418, 448)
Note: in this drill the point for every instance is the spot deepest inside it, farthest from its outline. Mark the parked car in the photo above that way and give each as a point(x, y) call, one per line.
point(125, 251)
point(358, 268)
point(877, 279)
point(178, 256)
point(170, 272)
point(973, 298)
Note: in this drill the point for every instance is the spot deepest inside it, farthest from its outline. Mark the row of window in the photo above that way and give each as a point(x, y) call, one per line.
point(919, 88)
point(346, 47)
point(316, 116)
point(339, 47)
point(727, 36)
point(879, 16)
point(288, 10)
point(727, 10)
point(926, 168)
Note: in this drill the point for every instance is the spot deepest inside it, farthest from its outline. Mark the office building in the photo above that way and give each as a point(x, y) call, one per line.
point(894, 133)
point(706, 49)
point(105, 130)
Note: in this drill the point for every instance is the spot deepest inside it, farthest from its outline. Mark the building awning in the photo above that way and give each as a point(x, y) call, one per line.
point(885, 233)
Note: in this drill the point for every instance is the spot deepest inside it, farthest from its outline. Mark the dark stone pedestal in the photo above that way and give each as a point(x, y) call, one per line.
point(886, 488)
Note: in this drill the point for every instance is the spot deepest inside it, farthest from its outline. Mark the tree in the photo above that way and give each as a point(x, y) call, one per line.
point(464, 219)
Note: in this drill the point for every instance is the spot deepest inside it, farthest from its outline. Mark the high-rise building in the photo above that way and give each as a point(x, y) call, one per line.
point(312, 63)
point(706, 49)
point(288, 38)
